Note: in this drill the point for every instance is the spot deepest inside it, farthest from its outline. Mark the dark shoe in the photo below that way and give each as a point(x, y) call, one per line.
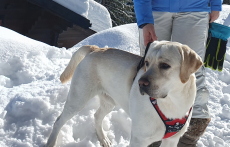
point(195, 130)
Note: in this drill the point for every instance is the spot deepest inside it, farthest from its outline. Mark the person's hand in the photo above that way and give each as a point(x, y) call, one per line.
point(213, 16)
point(149, 34)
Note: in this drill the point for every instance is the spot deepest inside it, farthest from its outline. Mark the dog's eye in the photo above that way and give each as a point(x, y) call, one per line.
point(164, 66)
point(146, 63)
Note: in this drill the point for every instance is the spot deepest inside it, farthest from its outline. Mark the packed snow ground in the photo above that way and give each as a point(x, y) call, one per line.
point(32, 97)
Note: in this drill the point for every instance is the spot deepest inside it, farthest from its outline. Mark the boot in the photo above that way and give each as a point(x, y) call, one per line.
point(195, 130)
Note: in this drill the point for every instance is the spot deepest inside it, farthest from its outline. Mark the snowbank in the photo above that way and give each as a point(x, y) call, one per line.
point(32, 97)
point(95, 12)
point(80, 7)
point(99, 16)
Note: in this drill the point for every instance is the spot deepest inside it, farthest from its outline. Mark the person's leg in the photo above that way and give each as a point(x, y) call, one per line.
point(163, 29)
point(191, 28)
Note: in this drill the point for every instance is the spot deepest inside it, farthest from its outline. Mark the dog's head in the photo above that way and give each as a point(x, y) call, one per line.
point(167, 65)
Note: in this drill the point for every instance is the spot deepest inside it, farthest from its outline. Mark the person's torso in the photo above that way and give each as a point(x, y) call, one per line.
point(180, 5)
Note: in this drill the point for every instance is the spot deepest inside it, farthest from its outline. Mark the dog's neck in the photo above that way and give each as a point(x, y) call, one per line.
point(185, 96)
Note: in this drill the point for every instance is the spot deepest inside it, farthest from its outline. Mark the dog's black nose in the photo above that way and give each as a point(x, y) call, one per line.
point(143, 82)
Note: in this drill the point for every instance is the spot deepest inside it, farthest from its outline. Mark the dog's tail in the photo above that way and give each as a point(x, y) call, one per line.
point(77, 57)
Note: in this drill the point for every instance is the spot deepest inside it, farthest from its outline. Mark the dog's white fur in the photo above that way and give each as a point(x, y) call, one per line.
point(109, 73)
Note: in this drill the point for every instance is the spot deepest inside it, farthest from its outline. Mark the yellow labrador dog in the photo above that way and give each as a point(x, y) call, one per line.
point(167, 76)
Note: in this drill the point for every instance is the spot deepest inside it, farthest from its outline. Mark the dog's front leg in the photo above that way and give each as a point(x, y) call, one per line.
point(173, 140)
point(138, 142)
point(170, 142)
point(141, 135)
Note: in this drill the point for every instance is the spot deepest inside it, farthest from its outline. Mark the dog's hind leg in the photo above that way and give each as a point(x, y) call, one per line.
point(75, 102)
point(106, 105)
point(61, 120)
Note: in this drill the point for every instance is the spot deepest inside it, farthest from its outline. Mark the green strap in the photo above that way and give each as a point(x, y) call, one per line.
point(206, 51)
point(218, 49)
point(208, 44)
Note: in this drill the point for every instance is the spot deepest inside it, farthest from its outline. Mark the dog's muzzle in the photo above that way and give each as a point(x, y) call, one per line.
point(144, 86)
point(147, 88)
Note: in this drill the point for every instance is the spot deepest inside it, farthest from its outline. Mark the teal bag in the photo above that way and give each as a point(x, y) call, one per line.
point(216, 46)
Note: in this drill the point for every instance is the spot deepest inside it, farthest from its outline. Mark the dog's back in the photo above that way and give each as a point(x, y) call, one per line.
point(82, 52)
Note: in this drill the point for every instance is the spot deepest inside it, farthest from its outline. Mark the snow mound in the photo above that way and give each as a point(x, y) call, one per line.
point(123, 37)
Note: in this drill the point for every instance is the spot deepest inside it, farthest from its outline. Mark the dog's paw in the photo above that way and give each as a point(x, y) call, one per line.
point(105, 142)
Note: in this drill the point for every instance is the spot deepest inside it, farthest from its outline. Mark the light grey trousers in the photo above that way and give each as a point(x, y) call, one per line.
point(190, 28)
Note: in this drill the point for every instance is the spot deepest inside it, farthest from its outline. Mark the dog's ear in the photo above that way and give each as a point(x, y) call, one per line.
point(190, 63)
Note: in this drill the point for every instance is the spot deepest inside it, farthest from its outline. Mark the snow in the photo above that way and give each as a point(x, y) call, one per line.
point(78, 6)
point(97, 14)
point(32, 97)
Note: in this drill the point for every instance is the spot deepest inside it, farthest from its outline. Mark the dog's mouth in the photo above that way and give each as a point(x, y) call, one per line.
point(161, 97)
point(164, 96)
point(154, 94)
point(144, 91)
